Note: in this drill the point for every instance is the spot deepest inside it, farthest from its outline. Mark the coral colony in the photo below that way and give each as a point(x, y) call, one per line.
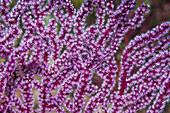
point(56, 65)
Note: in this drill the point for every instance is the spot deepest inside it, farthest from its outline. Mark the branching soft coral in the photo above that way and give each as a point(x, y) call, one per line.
point(70, 58)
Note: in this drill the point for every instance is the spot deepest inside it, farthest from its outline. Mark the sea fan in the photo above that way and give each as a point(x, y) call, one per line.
point(52, 61)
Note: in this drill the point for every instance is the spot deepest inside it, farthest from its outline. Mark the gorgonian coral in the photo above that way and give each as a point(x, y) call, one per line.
point(76, 63)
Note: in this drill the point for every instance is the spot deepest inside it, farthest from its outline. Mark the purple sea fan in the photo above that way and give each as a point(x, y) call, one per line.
point(51, 61)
